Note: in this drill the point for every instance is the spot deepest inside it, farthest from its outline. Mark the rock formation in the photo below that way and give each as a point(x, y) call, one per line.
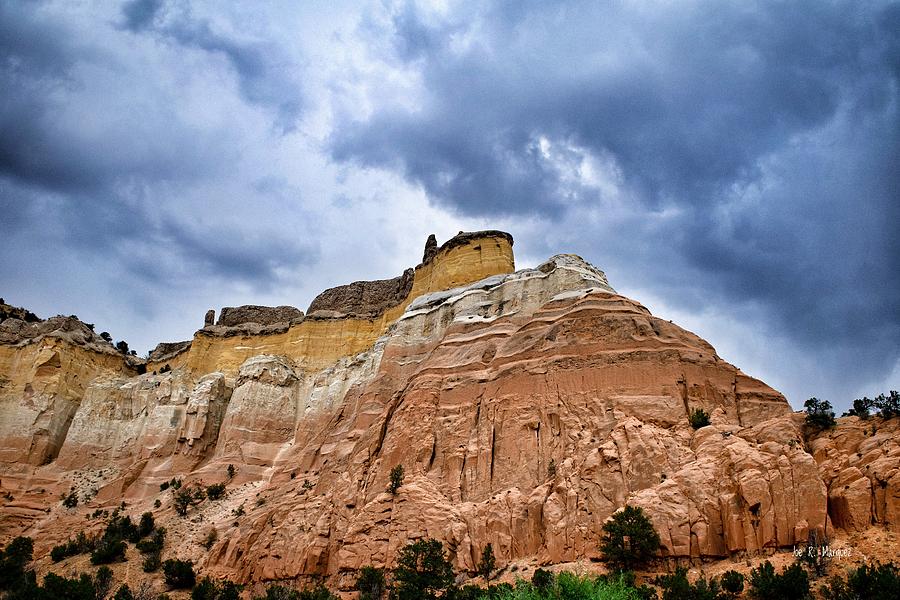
point(525, 407)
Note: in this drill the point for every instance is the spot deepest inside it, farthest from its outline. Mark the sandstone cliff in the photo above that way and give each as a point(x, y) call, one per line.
point(525, 406)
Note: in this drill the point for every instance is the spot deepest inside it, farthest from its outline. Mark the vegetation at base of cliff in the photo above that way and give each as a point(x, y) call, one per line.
point(370, 583)
point(179, 574)
point(488, 563)
point(792, 583)
point(280, 592)
point(210, 589)
point(110, 546)
point(866, 581)
point(629, 539)
point(423, 571)
point(698, 418)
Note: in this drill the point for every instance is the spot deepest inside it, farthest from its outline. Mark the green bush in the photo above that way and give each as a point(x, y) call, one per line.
point(888, 406)
point(154, 543)
point(567, 586)
point(81, 544)
point(543, 580)
point(209, 589)
point(108, 550)
point(63, 588)
point(123, 593)
point(185, 498)
point(13, 560)
point(677, 587)
point(319, 592)
point(629, 539)
point(279, 592)
point(698, 418)
point(70, 500)
point(215, 491)
point(146, 525)
point(396, 479)
point(819, 415)
point(370, 583)
point(866, 581)
point(791, 584)
point(152, 561)
point(732, 582)
point(422, 572)
point(179, 574)
point(488, 563)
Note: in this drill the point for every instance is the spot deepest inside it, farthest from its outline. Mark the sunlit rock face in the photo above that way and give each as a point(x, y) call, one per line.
point(525, 407)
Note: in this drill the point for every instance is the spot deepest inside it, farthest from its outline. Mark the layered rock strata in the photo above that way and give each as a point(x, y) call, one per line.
point(525, 407)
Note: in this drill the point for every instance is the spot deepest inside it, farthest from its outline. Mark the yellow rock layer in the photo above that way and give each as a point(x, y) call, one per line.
point(53, 366)
point(315, 344)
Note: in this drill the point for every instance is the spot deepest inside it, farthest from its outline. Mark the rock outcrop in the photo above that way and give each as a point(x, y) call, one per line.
point(261, 315)
point(860, 465)
point(525, 407)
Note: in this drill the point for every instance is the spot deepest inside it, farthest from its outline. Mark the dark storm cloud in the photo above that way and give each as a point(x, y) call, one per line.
point(261, 71)
point(760, 141)
point(95, 169)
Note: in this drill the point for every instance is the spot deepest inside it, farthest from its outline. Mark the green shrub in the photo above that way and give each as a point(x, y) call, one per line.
point(164, 486)
point(152, 561)
point(209, 589)
point(185, 498)
point(231, 471)
point(819, 415)
point(319, 592)
point(888, 406)
point(215, 491)
point(13, 560)
point(211, 538)
point(70, 500)
point(103, 581)
point(396, 479)
point(154, 543)
point(862, 408)
point(488, 563)
point(370, 583)
point(732, 582)
point(146, 525)
point(629, 539)
point(791, 584)
point(123, 593)
point(179, 574)
point(278, 592)
point(63, 588)
point(422, 571)
point(108, 550)
point(677, 587)
point(866, 581)
point(543, 580)
point(699, 418)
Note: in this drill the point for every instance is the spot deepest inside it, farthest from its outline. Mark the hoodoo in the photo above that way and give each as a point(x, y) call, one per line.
point(525, 407)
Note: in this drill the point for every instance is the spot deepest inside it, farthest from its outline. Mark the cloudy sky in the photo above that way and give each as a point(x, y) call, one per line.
point(734, 166)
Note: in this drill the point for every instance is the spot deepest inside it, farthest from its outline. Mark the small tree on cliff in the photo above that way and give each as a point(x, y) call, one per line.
point(629, 539)
point(819, 415)
point(396, 479)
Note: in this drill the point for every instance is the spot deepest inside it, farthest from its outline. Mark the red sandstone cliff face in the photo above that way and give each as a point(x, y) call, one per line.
point(525, 408)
